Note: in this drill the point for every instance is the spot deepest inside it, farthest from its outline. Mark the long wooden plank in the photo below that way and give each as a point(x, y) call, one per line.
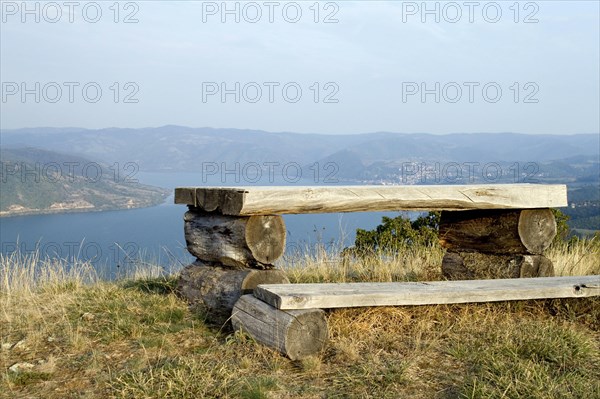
point(293, 200)
point(344, 295)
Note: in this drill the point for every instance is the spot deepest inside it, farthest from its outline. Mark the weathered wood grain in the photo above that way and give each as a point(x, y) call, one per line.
point(294, 200)
point(236, 241)
point(295, 333)
point(343, 295)
point(498, 231)
point(213, 290)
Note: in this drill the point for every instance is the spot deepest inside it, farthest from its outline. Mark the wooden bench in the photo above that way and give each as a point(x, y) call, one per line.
point(288, 317)
point(237, 233)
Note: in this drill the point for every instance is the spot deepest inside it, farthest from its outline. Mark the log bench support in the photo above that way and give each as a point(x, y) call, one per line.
point(498, 243)
point(212, 289)
point(234, 254)
point(235, 241)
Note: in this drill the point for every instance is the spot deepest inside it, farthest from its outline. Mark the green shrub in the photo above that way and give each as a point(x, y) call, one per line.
point(398, 233)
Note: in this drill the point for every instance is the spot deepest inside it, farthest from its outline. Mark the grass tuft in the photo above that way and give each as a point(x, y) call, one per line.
point(158, 285)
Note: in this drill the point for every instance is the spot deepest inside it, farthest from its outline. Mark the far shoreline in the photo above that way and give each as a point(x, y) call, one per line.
point(39, 212)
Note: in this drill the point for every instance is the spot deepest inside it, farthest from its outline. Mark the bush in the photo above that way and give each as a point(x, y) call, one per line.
point(394, 234)
point(562, 227)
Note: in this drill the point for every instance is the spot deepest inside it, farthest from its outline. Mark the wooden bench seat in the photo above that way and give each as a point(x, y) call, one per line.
point(290, 317)
point(276, 200)
point(345, 295)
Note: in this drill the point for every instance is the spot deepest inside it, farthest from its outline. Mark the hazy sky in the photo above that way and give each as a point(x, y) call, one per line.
point(326, 67)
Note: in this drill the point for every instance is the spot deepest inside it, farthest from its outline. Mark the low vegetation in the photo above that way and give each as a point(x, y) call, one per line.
point(65, 333)
point(35, 181)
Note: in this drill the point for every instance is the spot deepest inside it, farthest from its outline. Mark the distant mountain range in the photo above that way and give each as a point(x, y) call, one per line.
point(34, 181)
point(177, 148)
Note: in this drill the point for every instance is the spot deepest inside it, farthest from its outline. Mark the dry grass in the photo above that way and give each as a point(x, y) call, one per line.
point(420, 263)
point(134, 338)
point(579, 258)
point(22, 274)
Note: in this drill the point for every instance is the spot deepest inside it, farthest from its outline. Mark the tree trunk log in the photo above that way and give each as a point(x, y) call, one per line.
point(295, 333)
point(527, 231)
point(213, 290)
point(472, 265)
point(235, 241)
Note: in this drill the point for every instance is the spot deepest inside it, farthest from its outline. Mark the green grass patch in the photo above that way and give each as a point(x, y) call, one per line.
point(25, 378)
point(530, 360)
point(257, 388)
point(158, 285)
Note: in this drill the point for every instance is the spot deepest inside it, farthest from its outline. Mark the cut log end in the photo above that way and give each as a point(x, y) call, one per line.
point(295, 333)
point(307, 334)
point(536, 266)
point(537, 228)
point(265, 237)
